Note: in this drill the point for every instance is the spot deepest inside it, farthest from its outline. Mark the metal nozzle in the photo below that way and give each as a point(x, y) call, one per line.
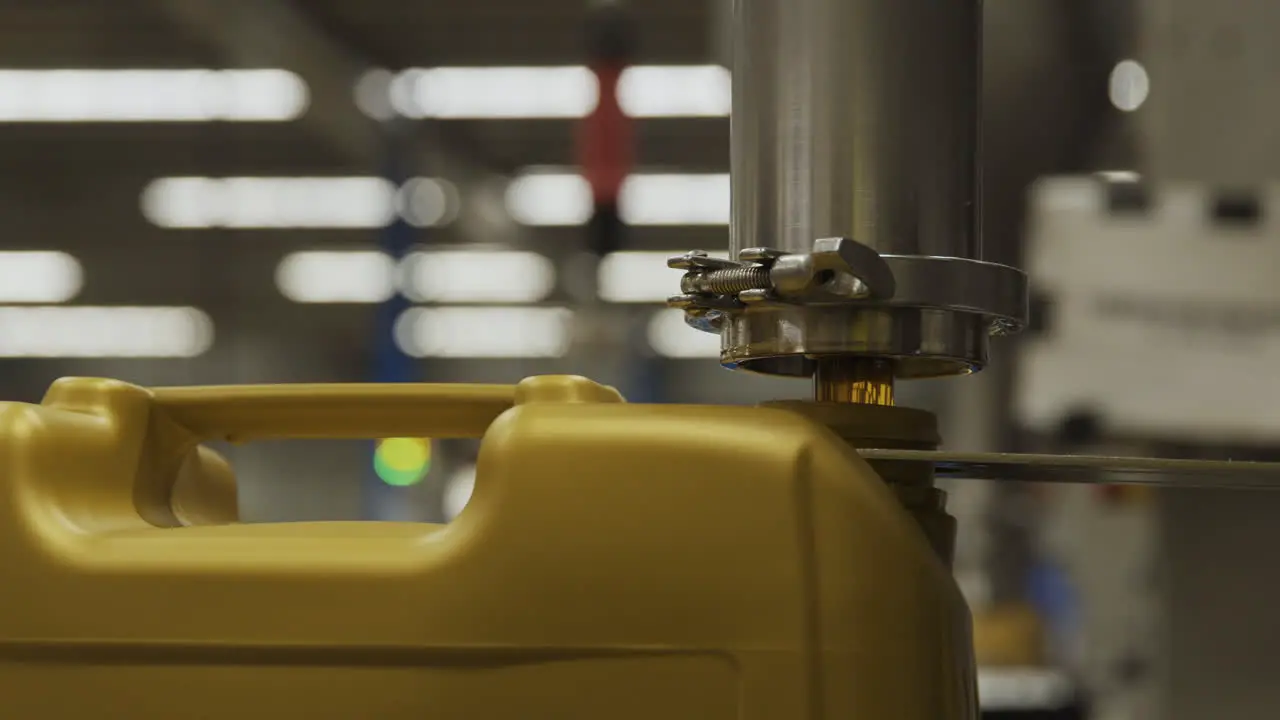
point(851, 379)
point(858, 121)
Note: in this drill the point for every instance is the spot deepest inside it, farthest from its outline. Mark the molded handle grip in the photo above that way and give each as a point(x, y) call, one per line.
point(262, 412)
point(145, 462)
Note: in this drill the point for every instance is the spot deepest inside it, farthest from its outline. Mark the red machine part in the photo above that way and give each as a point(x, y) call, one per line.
point(606, 138)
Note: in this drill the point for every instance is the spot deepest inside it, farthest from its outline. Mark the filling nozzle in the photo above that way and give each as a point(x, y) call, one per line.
point(852, 379)
point(854, 239)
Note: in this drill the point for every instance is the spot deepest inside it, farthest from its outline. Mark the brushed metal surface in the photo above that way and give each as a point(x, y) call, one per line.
point(857, 118)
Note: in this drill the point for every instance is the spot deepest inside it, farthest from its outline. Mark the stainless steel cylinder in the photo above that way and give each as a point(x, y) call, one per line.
point(858, 119)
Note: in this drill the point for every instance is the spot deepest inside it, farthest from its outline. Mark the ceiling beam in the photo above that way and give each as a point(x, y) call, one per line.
point(274, 33)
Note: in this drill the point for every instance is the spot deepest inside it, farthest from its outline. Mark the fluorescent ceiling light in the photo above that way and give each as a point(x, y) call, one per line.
point(549, 199)
point(485, 332)
point(564, 199)
point(648, 91)
point(480, 276)
point(437, 276)
point(362, 276)
point(427, 202)
point(670, 199)
point(503, 92)
point(1129, 85)
point(39, 276)
point(568, 91)
point(294, 202)
point(638, 277)
point(268, 95)
point(670, 337)
point(82, 332)
point(372, 94)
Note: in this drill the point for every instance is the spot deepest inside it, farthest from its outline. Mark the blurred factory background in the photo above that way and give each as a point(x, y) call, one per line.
point(249, 191)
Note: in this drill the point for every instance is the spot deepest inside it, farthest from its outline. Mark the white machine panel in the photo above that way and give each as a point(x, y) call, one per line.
point(1161, 316)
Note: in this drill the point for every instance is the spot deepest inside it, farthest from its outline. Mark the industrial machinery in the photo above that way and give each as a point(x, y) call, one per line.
point(1149, 280)
point(616, 560)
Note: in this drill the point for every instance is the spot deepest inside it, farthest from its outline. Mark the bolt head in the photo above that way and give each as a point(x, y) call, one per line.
point(687, 261)
point(689, 283)
point(760, 254)
point(700, 260)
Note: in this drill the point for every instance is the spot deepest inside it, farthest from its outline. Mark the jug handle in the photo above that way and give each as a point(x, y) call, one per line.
point(188, 484)
point(153, 438)
point(240, 413)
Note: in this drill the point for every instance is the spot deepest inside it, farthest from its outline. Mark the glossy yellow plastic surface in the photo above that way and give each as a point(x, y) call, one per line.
point(616, 562)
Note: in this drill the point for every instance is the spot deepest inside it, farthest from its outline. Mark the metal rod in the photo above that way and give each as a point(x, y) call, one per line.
point(1159, 472)
point(857, 118)
point(868, 381)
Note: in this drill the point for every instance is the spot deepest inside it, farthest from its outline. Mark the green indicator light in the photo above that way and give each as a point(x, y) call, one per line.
point(402, 461)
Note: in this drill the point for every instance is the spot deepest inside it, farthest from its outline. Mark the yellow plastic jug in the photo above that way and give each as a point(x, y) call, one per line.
point(616, 561)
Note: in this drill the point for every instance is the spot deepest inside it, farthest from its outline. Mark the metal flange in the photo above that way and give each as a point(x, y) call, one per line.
point(776, 311)
point(997, 292)
point(840, 271)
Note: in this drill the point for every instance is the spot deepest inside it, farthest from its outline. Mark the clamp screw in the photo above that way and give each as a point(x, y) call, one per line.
point(726, 282)
point(838, 270)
